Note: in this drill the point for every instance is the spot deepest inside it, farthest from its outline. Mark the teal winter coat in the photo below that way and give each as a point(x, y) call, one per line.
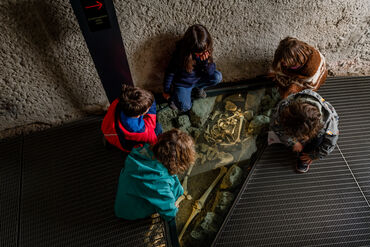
point(145, 187)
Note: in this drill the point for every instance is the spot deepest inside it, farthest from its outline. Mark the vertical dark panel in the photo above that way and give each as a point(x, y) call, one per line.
point(99, 26)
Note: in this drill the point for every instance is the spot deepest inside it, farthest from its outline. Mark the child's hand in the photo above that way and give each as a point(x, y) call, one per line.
point(305, 158)
point(166, 96)
point(203, 56)
point(297, 147)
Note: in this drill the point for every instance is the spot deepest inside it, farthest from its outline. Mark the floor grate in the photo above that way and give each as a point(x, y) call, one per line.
point(327, 206)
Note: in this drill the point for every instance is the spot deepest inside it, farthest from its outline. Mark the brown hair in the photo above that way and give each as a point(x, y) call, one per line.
point(292, 52)
point(301, 120)
point(195, 40)
point(135, 101)
point(175, 150)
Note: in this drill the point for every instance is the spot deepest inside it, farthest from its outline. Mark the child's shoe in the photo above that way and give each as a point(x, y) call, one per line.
point(173, 106)
point(199, 93)
point(302, 167)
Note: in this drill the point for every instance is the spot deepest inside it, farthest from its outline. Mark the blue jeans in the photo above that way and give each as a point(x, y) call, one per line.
point(182, 95)
point(158, 128)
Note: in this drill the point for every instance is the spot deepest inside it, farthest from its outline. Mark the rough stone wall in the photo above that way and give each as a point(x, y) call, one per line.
point(48, 77)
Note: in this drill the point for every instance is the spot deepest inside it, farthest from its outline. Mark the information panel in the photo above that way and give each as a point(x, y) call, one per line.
point(96, 14)
point(99, 26)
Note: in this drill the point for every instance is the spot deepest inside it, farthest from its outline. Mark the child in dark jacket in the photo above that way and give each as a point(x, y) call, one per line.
point(131, 119)
point(148, 183)
point(308, 124)
point(297, 66)
point(191, 68)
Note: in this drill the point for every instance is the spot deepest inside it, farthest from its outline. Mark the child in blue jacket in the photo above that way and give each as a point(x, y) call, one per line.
point(308, 124)
point(191, 68)
point(148, 183)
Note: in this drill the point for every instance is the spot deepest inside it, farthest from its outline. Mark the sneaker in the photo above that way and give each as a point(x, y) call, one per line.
point(302, 167)
point(199, 93)
point(173, 106)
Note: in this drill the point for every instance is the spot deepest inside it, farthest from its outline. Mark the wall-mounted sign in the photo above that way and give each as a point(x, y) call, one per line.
point(106, 47)
point(96, 14)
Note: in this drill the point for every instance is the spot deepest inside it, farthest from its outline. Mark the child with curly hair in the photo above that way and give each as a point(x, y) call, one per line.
point(148, 183)
point(308, 124)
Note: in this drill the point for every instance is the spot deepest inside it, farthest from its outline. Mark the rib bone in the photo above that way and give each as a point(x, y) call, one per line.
point(237, 140)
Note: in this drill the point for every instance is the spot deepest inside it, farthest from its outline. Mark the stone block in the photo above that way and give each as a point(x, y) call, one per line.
point(258, 124)
point(201, 110)
point(223, 201)
point(232, 178)
point(166, 117)
point(248, 148)
point(254, 99)
point(183, 122)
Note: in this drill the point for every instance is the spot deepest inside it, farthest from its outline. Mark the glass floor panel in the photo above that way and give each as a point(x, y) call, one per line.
point(229, 131)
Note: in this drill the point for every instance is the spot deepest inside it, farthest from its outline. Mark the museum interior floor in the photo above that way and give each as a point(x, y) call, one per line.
point(58, 186)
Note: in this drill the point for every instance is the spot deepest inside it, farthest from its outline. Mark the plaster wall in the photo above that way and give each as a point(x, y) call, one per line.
point(48, 77)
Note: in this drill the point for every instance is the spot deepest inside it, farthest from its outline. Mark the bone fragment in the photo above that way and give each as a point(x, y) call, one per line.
point(186, 194)
point(226, 158)
point(198, 205)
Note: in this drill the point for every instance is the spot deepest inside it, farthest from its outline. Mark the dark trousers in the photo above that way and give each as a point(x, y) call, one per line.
point(173, 233)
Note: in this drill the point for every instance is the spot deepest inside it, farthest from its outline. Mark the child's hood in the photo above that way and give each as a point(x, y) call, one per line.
point(142, 165)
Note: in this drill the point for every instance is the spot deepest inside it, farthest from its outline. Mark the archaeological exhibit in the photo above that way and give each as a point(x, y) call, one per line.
point(210, 123)
point(228, 129)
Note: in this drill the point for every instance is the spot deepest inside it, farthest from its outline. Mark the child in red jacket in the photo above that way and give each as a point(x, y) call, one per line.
point(131, 119)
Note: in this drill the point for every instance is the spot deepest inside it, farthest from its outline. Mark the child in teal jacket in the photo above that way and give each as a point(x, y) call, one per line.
point(148, 183)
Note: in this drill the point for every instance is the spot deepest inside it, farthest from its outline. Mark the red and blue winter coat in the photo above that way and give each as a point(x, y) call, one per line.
point(116, 134)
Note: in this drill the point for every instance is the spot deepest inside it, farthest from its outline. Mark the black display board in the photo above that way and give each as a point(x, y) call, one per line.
point(99, 26)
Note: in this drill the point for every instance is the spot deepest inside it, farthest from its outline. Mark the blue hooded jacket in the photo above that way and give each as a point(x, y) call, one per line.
point(178, 77)
point(145, 187)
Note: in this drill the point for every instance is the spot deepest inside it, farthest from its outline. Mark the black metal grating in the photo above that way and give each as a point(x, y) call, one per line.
point(277, 207)
point(10, 177)
point(68, 191)
point(351, 99)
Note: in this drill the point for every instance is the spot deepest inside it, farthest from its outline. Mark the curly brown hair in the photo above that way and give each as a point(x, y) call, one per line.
point(301, 120)
point(195, 40)
point(292, 52)
point(175, 150)
point(135, 101)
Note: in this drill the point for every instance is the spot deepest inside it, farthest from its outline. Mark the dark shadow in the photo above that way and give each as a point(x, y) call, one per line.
point(239, 69)
point(153, 56)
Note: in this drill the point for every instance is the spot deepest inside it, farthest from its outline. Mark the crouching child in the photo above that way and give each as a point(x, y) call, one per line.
point(131, 119)
point(148, 183)
point(308, 124)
